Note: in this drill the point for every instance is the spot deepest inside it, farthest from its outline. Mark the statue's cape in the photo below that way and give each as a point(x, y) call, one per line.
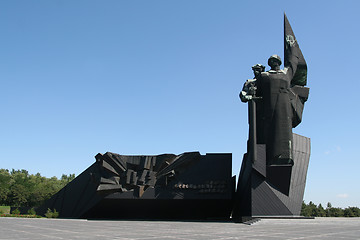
point(293, 55)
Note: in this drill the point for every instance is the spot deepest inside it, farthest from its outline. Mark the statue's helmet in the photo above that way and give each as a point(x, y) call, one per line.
point(277, 57)
point(258, 67)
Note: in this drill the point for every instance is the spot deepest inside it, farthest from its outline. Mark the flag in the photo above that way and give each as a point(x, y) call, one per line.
point(293, 55)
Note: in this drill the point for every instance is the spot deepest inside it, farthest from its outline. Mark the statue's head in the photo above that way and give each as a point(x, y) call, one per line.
point(258, 68)
point(274, 61)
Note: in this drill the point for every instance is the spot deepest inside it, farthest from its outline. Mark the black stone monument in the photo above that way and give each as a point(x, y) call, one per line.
point(273, 172)
point(167, 186)
point(200, 187)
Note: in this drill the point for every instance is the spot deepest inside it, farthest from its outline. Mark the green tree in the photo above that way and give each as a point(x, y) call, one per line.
point(312, 209)
point(336, 212)
point(321, 211)
point(327, 210)
point(65, 179)
point(348, 212)
point(19, 188)
point(5, 181)
point(304, 210)
point(356, 211)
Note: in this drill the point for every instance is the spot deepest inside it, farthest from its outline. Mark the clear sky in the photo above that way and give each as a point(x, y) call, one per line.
point(79, 77)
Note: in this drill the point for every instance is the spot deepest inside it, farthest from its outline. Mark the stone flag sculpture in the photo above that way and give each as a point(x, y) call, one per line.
point(293, 55)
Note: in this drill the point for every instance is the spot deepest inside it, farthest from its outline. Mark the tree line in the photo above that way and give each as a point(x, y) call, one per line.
point(313, 210)
point(18, 188)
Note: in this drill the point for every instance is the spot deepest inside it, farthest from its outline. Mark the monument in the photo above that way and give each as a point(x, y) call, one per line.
point(167, 186)
point(273, 172)
point(194, 186)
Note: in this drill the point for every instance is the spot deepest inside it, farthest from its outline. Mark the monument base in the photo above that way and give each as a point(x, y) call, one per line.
point(265, 191)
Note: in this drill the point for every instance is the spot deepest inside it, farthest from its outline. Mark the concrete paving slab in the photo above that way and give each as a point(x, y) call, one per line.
point(319, 228)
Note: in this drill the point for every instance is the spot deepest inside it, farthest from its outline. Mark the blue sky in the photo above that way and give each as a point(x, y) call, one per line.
point(151, 77)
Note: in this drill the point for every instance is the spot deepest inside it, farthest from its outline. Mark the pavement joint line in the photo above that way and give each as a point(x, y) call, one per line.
point(164, 237)
point(50, 229)
point(35, 234)
point(329, 234)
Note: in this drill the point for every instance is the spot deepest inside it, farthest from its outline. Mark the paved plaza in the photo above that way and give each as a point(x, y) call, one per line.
point(319, 228)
